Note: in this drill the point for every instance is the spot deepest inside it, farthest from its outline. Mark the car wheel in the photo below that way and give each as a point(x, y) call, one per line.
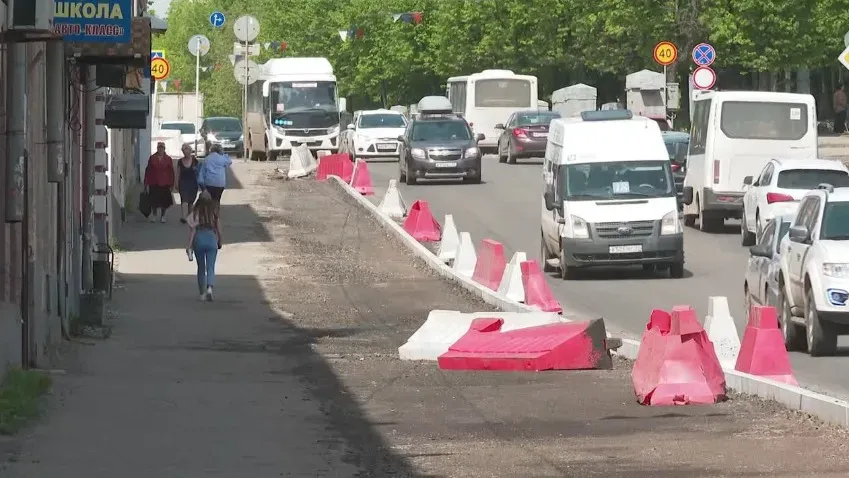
point(410, 178)
point(794, 339)
point(511, 158)
point(401, 175)
point(544, 256)
point(746, 237)
point(566, 272)
point(676, 270)
point(502, 158)
point(822, 339)
point(689, 220)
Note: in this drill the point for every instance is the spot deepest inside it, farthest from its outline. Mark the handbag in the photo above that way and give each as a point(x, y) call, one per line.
point(144, 203)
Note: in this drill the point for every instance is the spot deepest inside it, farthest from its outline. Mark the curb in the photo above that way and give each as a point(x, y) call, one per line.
point(828, 409)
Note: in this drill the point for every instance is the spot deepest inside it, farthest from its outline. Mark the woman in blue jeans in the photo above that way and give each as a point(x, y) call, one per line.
point(205, 241)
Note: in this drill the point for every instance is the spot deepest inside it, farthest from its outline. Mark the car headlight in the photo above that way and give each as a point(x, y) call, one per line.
point(417, 153)
point(671, 224)
point(333, 129)
point(363, 137)
point(577, 228)
point(211, 137)
point(242, 138)
point(471, 152)
point(834, 269)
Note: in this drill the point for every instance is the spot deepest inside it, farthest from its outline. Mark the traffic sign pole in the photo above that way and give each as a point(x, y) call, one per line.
point(246, 29)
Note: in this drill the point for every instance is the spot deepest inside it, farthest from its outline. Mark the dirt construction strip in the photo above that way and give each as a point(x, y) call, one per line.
point(293, 371)
point(424, 422)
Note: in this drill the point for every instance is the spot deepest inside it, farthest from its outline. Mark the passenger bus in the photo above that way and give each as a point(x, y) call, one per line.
point(734, 134)
point(487, 98)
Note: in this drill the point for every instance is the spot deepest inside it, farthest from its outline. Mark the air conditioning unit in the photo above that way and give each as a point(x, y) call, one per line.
point(30, 15)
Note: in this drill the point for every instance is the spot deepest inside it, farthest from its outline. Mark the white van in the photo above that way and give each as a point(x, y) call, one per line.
point(734, 135)
point(609, 197)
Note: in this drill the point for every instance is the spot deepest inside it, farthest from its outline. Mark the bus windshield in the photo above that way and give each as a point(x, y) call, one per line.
point(302, 95)
point(503, 93)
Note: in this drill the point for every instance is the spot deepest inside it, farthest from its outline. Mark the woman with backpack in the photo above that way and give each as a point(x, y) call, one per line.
point(204, 242)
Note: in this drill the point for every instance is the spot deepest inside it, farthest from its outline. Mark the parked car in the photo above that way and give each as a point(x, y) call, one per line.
point(524, 135)
point(760, 286)
point(224, 130)
point(780, 186)
point(814, 276)
point(188, 135)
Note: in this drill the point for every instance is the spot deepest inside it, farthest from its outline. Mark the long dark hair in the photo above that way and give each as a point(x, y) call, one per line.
point(205, 211)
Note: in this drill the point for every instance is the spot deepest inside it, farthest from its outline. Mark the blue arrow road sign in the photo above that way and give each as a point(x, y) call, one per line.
point(217, 19)
point(157, 54)
point(704, 54)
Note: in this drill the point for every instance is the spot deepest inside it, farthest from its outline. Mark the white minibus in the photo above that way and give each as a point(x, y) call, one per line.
point(488, 98)
point(734, 134)
point(609, 202)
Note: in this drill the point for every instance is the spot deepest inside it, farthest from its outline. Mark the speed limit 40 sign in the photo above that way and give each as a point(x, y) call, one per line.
point(160, 69)
point(665, 53)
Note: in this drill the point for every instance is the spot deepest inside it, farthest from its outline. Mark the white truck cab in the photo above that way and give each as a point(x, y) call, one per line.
point(814, 277)
point(609, 197)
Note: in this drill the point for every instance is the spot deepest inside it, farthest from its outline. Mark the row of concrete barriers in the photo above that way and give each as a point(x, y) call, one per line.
point(755, 365)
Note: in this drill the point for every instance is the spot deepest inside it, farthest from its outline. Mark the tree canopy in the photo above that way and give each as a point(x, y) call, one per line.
point(560, 41)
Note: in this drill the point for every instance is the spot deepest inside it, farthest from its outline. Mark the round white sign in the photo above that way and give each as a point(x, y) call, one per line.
point(246, 28)
point(704, 78)
point(246, 72)
point(199, 45)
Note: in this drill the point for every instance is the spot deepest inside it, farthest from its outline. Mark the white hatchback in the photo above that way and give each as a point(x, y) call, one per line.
point(780, 186)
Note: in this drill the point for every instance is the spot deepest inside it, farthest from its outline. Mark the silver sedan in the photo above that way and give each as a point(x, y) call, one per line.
point(761, 284)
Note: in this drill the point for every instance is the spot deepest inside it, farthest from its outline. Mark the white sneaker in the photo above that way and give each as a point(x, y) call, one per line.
point(209, 293)
point(162, 219)
point(203, 297)
point(151, 218)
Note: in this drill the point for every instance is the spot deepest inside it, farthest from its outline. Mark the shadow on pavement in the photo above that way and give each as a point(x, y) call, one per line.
point(239, 224)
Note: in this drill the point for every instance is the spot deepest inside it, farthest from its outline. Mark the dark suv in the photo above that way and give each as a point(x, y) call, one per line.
point(438, 144)
point(223, 130)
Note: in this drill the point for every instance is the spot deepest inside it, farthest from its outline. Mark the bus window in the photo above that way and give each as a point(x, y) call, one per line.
point(504, 93)
point(764, 120)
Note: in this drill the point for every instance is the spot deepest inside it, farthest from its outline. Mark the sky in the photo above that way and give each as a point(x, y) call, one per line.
point(161, 7)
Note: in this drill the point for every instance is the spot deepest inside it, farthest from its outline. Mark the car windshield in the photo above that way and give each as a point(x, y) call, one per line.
point(678, 151)
point(616, 180)
point(441, 130)
point(382, 121)
point(835, 222)
point(811, 178)
point(535, 119)
point(184, 128)
point(224, 124)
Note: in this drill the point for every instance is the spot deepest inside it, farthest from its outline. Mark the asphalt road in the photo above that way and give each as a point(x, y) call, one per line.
point(506, 208)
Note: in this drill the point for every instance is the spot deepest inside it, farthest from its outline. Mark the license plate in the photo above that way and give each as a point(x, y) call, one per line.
point(226, 144)
point(626, 249)
point(540, 135)
point(386, 147)
point(445, 164)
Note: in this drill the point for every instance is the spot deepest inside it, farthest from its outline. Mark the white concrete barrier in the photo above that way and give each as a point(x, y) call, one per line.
point(722, 331)
point(466, 258)
point(444, 327)
point(302, 162)
point(511, 281)
point(392, 204)
point(450, 241)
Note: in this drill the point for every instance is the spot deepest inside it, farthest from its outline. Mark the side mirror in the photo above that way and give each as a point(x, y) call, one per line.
point(549, 200)
point(687, 195)
point(400, 138)
point(350, 126)
point(761, 250)
point(480, 137)
point(499, 126)
point(798, 234)
point(748, 180)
